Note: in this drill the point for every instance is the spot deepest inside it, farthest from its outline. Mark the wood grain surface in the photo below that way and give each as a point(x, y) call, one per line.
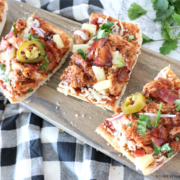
point(45, 101)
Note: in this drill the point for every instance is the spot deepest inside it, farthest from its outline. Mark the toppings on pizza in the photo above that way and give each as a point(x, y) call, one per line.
point(146, 128)
point(29, 54)
point(102, 61)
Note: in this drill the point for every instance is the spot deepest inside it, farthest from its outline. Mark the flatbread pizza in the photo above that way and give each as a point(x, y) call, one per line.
point(104, 57)
point(29, 55)
point(146, 129)
point(3, 14)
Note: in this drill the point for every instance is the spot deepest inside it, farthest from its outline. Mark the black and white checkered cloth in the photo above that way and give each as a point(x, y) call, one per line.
point(33, 149)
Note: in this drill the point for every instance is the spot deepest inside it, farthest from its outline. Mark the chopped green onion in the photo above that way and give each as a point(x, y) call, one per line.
point(158, 116)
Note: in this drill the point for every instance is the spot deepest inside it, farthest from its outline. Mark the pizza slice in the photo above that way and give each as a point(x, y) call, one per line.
point(146, 129)
point(29, 55)
point(104, 56)
point(3, 13)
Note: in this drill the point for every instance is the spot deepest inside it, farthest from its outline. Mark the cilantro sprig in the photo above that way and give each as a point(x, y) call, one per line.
point(31, 37)
point(2, 67)
point(149, 100)
point(165, 147)
point(143, 122)
point(120, 65)
point(131, 37)
point(130, 124)
point(30, 90)
point(104, 30)
point(177, 104)
point(43, 67)
point(82, 53)
point(167, 12)
point(158, 116)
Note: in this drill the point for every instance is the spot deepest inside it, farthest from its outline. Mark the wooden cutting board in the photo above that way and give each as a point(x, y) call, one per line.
point(79, 118)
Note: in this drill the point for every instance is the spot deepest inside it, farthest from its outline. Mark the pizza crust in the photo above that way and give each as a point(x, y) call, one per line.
point(2, 23)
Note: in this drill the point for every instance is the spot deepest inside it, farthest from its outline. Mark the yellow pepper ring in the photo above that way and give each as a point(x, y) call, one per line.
point(26, 44)
point(133, 103)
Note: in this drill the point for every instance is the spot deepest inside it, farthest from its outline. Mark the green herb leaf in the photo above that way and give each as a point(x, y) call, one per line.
point(176, 18)
point(13, 27)
point(157, 149)
point(31, 37)
point(30, 90)
point(44, 66)
point(135, 11)
point(143, 122)
point(101, 34)
point(160, 5)
point(120, 65)
point(177, 104)
point(131, 37)
point(168, 46)
point(107, 25)
point(170, 153)
point(136, 115)
point(6, 80)
point(176, 138)
point(2, 67)
point(158, 116)
point(165, 147)
point(146, 39)
point(82, 53)
point(149, 100)
point(130, 124)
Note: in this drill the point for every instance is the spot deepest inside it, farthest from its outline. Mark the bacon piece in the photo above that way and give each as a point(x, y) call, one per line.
point(139, 152)
point(94, 20)
point(34, 67)
point(98, 43)
point(104, 57)
point(123, 74)
point(4, 45)
point(158, 141)
point(175, 145)
point(167, 95)
point(155, 132)
point(163, 133)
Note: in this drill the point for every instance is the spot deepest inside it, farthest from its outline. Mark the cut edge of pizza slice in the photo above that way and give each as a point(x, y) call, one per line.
point(100, 68)
point(148, 138)
point(22, 71)
point(3, 14)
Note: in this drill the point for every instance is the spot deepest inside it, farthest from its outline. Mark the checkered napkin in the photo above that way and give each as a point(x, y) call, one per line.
point(33, 149)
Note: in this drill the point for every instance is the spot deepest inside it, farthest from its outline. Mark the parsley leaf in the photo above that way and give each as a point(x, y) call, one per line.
point(130, 124)
point(170, 153)
point(30, 90)
point(131, 37)
point(158, 116)
point(146, 39)
point(44, 66)
point(176, 18)
point(107, 25)
point(82, 53)
point(177, 104)
point(157, 149)
point(168, 46)
point(2, 67)
point(149, 100)
point(120, 65)
point(135, 11)
point(143, 122)
point(176, 138)
point(6, 80)
point(136, 115)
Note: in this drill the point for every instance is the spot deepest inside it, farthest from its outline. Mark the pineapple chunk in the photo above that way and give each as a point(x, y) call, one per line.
point(144, 161)
point(116, 55)
point(12, 54)
point(80, 46)
point(90, 27)
point(99, 73)
point(57, 39)
point(103, 85)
